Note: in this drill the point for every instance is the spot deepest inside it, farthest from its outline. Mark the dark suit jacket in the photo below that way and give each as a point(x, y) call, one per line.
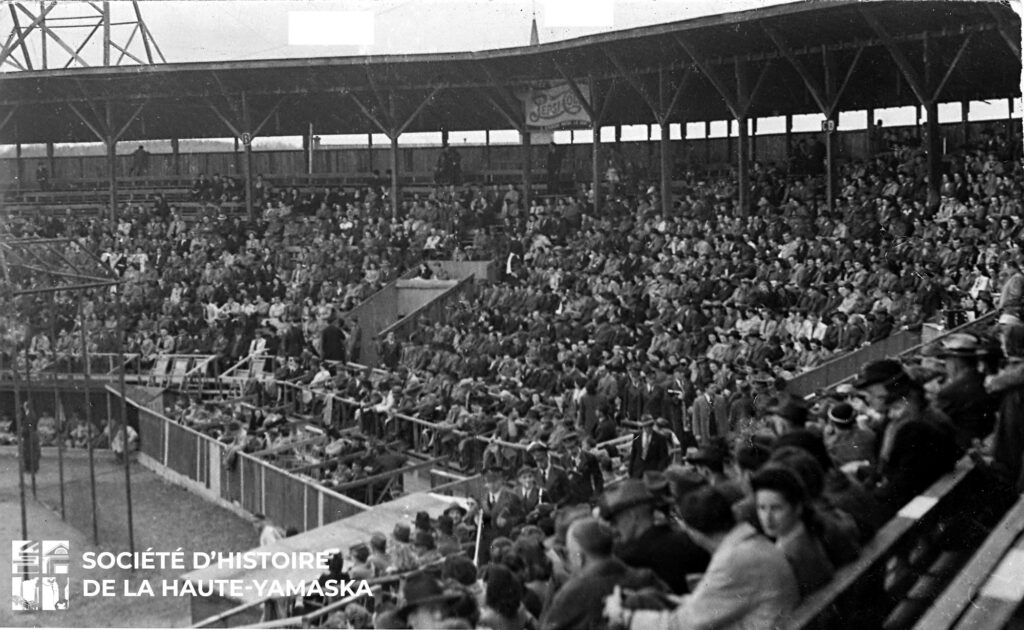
point(580, 601)
point(554, 484)
point(332, 342)
point(508, 506)
point(657, 454)
point(670, 554)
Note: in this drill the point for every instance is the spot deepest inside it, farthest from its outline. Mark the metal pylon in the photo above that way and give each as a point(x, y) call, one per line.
point(55, 34)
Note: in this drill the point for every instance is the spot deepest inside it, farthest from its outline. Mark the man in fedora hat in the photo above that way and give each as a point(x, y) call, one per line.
point(963, 397)
point(650, 449)
point(425, 602)
point(552, 479)
point(917, 442)
point(672, 555)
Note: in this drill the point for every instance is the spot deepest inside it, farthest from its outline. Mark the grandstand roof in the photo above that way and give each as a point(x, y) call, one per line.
point(772, 53)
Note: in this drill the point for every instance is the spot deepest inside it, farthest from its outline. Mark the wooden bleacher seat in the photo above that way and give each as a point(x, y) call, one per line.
point(989, 592)
point(158, 375)
point(179, 368)
point(910, 558)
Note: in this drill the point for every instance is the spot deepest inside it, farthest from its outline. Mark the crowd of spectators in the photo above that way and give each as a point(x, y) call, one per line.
point(678, 329)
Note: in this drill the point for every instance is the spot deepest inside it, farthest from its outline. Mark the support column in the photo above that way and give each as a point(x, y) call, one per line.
point(666, 169)
point(19, 169)
point(743, 166)
point(394, 176)
point(707, 145)
point(965, 127)
point(830, 168)
point(369, 152)
point(917, 121)
point(753, 139)
point(50, 162)
point(487, 151)
point(789, 138)
point(595, 166)
point(729, 153)
point(250, 211)
point(112, 160)
point(176, 156)
point(872, 140)
point(527, 169)
point(934, 153)
point(112, 175)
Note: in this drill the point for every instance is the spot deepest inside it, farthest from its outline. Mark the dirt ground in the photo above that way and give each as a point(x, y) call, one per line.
point(166, 517)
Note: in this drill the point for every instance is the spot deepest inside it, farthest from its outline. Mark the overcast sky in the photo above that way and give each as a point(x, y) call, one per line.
point(216, 30)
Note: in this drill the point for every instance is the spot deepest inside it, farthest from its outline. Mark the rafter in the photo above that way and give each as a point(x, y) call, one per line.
point(713, 77)
point(814, 88)
point(902, 62)
point(586, 103)
point(952, 66)
point(1005, 31)
point(416, 112)
point(369, 115)
point(635, 82)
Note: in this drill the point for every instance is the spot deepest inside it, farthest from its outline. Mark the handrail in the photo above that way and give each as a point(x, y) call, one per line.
point(359, 483)
point(228, 372)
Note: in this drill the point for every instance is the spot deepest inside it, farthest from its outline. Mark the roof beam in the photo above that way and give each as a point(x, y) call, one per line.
point(952, 66)
point(419, 108)
point(713, 77)
point(584, 102)
point(636, 83)
point(273, 110)
point(834, 98)
point(7, 118)
point(1005, 31)
point(815, 89)
point(666, 111)
point(102, 137)
point(902, 62)
point(370, 116)
point(224, 119)
point(501, 108)
point(138, 110)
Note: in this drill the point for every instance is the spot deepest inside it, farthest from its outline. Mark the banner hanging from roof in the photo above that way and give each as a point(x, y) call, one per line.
point(556, 107)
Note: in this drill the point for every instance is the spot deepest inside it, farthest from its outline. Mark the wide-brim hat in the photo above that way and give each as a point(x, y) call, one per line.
point(422, 588)
point(624, 495)
point(960, 345)
point(455, 507)
point(882, 371)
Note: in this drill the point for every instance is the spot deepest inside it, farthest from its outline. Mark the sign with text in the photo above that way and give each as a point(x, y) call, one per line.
point(556, 107)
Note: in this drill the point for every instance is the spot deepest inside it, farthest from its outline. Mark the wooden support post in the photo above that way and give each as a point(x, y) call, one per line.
point(872, 141)
point(111, 158)
point(19, 170)
point(50, 162)
point(753, 139)
point(369, 152)
point(743, 168)
point(707, 145)
point(934, 154)
point(666, 169)
point(595, 164)
point(965, 114)
point(394, 176)
point(176, 156)
point(487, 151)
point(830, 168)
point(527, 170)
point(247, 138)
point(789, 136)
